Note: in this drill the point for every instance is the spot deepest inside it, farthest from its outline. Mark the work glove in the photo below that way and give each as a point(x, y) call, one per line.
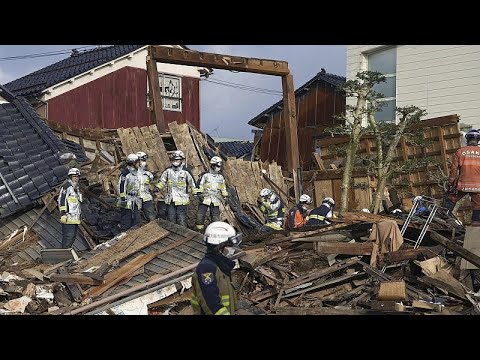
point(63, 219)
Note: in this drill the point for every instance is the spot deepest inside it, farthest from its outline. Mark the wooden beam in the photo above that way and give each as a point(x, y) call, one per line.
point(290, 119)
point(219, 61)
point(75, 278)
point(441, 133)
point(285, 310)
point(411, 254)
point(154, 88)
point(345, 248)
point(457, 249)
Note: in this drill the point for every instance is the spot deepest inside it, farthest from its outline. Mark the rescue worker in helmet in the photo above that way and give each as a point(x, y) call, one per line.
point(273, 208)
point(144, 179)
point(69, 202)
point(297, 216)
point(213, 293)
point(319, 215)
point(211, 190)
point(179, 183)
point(129, 201)
point(464, 175)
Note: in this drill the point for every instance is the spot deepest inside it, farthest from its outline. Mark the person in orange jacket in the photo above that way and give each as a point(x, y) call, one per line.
point(297, 216)
point(465, 175)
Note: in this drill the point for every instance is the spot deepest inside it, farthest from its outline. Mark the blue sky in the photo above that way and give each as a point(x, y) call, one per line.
point(226, 105)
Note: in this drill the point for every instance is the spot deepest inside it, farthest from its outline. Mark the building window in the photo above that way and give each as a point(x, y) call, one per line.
point(385, 62)
point(171, 90)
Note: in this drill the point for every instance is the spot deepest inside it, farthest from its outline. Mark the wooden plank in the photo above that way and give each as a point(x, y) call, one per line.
point(75, 278)
point(134, 241)
point(457, 249)
point(219, 61)
point(154, 87)
point(411, 254)
point(323, 272)
point(471, 243)
point(318, 161)
point(184, 142)
point(286, 310)
point(345, 248)
point(159, 146)
point(75, 289)
point(441, 142)
point(120, 274)
point(53, 256)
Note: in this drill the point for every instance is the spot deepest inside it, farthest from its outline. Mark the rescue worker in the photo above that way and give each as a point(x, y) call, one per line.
point(144, 178)
point(69, 202)
point(179, 182)
point(211, 190)
point(465, 175)
point(273, 208)
point(297, 216)
point(213, 293)
point(128, 190)
point(319, 215)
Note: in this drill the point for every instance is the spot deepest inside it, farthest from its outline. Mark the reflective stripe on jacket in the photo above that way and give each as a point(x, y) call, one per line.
point(69, 202)
point(212, 187)
point(144, 178)
point(178, 183)
point(213, 293)
point(275, 212)
point(466, 168)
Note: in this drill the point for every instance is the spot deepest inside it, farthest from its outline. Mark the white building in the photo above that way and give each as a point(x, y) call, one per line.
point(441, 79)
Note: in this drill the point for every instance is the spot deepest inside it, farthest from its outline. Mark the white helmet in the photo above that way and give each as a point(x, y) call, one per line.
point(74, 171)
point(178, 155)
point(220, 232)
point(216, 160)
point(131, 159)
point(266, 193)
point(305, 199)
point(329, 201)
point(142, 156)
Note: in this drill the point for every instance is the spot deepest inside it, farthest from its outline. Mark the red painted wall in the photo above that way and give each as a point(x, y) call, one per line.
point(119, 100)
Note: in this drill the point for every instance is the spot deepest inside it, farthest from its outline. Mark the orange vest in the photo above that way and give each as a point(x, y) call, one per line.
point(465, 169)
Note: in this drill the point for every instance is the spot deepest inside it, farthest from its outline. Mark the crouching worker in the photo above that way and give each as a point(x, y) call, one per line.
point(213, 293)
point(211, 190)
point(273, 208)
point(297, 216)
point(69, 202)
point(319, 215)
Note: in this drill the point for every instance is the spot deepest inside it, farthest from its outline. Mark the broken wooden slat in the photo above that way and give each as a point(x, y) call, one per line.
point(120, 274)
point(345, 248)
point(287, 310)
point(53, 256)
point(457, 249)
point(75, 278)
point(411, 254)
point(132, 242)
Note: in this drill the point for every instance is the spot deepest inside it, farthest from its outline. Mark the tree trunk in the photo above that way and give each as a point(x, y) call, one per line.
point(351, 152)
point(382, 180)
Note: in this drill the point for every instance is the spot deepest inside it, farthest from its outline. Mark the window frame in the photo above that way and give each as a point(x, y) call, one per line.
point(161, 80)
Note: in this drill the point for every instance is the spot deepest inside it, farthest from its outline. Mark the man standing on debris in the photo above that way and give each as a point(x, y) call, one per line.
point(128, 190)
point(273, 207)
point(319, 215)
point(465, 175)
point(213, 293)
point(69, 202)
point(297, 216)
point(179, 183)
point(211, 191)
point(144, 178)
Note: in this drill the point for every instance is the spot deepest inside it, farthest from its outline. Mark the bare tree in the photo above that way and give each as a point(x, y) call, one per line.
point(389, 133)
point(360, 88)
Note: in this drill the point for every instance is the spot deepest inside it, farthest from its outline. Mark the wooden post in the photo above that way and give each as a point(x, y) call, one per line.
point(443, 151)
point(290, 118)
point(154, 87)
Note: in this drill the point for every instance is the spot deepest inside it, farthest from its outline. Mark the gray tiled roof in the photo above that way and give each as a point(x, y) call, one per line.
point(65, 69)
point(28, 155)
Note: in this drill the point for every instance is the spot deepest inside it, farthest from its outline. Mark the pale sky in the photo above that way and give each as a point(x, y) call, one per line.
point(228, 100)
